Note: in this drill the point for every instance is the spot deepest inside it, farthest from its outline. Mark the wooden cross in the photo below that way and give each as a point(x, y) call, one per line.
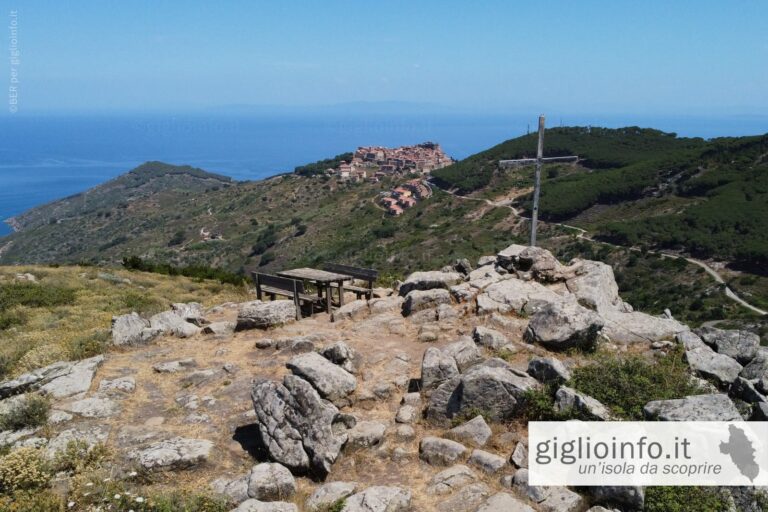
point(537, 179)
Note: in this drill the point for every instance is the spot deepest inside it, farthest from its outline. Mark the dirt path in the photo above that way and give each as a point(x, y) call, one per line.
point(584, 234)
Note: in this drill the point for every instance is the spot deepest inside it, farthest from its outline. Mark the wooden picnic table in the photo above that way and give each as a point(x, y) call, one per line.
point(322, 279)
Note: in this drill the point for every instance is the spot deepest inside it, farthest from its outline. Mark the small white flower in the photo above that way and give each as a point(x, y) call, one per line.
point(106, 479)
point(117, 496)
point(89, 484)
point(132, 473)
point(139, 499)
point(70, 504)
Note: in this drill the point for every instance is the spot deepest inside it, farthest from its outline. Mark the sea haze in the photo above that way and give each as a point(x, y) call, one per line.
point(43, 158)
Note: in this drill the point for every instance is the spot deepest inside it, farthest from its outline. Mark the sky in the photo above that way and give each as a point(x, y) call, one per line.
point(698, 57)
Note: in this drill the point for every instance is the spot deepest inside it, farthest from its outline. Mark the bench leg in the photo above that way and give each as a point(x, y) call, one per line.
point(341, 294)
point(328, 298)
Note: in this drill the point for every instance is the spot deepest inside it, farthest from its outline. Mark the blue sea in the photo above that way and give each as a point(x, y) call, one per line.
point(46, 157)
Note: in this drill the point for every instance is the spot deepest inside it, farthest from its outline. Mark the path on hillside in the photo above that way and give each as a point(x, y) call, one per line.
point(584, 234)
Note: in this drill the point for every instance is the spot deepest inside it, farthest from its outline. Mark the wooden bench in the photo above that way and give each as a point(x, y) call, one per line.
point(362, 274)
point(274, 285)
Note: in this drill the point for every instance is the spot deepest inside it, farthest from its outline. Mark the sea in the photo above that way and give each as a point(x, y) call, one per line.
point(45, 157)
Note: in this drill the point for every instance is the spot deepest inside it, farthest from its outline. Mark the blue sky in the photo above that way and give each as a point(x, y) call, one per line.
point(644, 57)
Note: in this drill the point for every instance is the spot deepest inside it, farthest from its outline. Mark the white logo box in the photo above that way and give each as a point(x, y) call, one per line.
point(588, 453)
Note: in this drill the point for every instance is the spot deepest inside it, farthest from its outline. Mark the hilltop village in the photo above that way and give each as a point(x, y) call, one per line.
point(374, 162)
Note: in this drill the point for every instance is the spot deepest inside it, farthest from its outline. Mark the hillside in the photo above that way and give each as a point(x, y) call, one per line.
point(178, 217)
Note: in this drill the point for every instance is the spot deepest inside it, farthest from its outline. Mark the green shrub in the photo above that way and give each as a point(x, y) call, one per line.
point(77, 457)
point(34, 295)
point(685, 499)
point(539, 405)
point(626, 384)
point(23, 469)
point(31, 411)
point(11, 318)
point(32, 501)
point(89, 345)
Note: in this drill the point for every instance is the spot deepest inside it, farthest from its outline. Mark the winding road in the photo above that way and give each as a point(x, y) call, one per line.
point(583, 234)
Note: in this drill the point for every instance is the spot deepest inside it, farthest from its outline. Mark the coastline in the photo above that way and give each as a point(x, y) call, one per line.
point(13, 224)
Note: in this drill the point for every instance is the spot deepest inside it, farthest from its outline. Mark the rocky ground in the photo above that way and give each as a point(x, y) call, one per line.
point(409, 401)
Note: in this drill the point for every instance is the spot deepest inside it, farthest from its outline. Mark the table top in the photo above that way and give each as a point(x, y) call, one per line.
point(313, 274)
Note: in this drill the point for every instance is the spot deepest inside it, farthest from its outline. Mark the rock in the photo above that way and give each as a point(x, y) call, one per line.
point(175, 366)
point(745, 390)
point(559, 326)
point(253, 505)
point(91, 436)
point(296, 425)
point(711, 365)
point(351, 311)
point(568, 398)
point(365, 434)
point(693, 408)
point(689, 340)
point(131, 329)
point(198, 377)
point(327, 494)
point(447, 481)
point(489, 338)
point(637, 327)
point(486, 260)
point(343, 355)
point(535, 493)
point(58, 417)
point(191, 312)
point(475, 432)
point(489, 463)
point(379, 499)
point(428, 334)
point(405, 432)
point(463, 266)
point(519, 457)
point(262, 315)
point(441, 452)
point(168, 322)
point(332, 382)
point(466, 499)
point(464, 352)
point(630, 497)
point(758, 367)
point(594, 285)
point(436, 368)
point(235, 489)
point(417, 301)
point(515, 296)
point(446, 312)
point(760, 412)
point(219, 328)
point(173, 454)
point(548, 370)
point(504, 502)
point(301, 345)
point(118, 385)
point(429, 281)
point(92, 407)
point(463, 292)
point(739, 345)
point(562, 499)
point(271, 482)
point(406, 414)
point(492, 387)
point(386, 305)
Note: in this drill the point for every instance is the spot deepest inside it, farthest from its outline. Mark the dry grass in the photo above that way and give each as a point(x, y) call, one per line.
point(80, 329)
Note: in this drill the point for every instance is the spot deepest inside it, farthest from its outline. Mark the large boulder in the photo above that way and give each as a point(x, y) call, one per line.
point(441, 452)
point(488, 462)
point(474, 432)
point(564, 325)
point(464, 352)
point(634, 327)
point(418, 300)
point(169, 322)
point(515, 296)
point(493, 387)
point(270, 481)
point(429, 281)
point(594, 285)
point(131, 329)
point(343, 355)
point(57, 380)
point(328, 494)
point(191, 312)
point(714, 407)
point(173, 454)
point(257, 314)
point(758, 367)
point(711, 365)
point(451, 479)
point(489, 338)
point(569, 399)
point(379, 499)
point(436, 368)
point(351, 311)
point(739, 345)
point(295, 424)
point(548, 369)
point(331, 381)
